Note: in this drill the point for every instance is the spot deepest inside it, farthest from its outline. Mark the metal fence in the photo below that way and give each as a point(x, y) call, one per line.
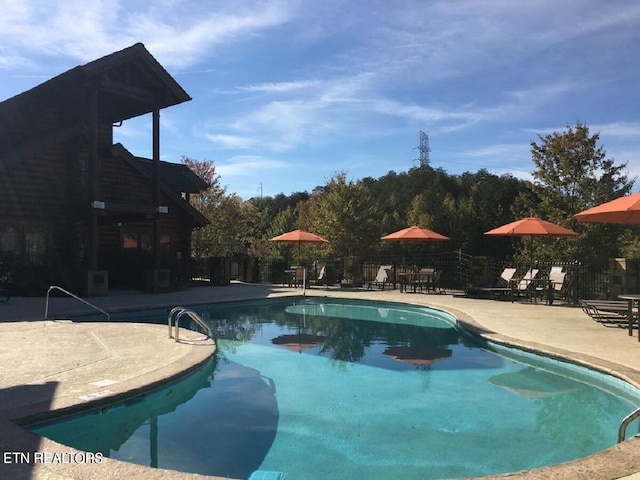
point(459, 272)
point(346, 270)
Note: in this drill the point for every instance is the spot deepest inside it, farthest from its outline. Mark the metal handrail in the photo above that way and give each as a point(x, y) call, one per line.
point(622, 431)
point(194, 316)
point(170, 318)
point(55, 287)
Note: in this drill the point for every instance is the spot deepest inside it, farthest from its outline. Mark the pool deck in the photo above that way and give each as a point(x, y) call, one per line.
point(58, 364)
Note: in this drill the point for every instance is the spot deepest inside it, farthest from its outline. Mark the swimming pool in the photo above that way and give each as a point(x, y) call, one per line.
point(346, 389)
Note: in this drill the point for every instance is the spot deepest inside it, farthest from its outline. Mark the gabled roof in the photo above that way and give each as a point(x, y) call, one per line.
point(175, 175)
point(130, 83)
point(199, 219)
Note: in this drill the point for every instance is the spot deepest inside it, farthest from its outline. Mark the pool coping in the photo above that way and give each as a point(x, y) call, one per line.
point(14, 437)
point(621, 460)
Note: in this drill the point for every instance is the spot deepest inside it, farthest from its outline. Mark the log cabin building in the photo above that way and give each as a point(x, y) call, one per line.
point(78, 211)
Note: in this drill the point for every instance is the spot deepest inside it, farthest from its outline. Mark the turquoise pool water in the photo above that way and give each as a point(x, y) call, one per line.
point(344, 389)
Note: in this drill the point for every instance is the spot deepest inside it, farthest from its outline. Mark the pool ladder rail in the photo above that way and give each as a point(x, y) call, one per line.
point(622, 431)
point(55, 287)
point(178, 312)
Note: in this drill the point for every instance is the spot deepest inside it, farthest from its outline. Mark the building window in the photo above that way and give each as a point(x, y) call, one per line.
point(35, 245)
point(165, 243)
point(144, 241)
point(29, 241)
point(129, 241)
point(9, 240)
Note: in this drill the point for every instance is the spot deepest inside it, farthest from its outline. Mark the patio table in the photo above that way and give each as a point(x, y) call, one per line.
point(414, 279)
point(289, 277)
point(631, 298)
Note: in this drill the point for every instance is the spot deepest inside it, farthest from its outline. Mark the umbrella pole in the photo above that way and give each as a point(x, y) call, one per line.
point(304, 272)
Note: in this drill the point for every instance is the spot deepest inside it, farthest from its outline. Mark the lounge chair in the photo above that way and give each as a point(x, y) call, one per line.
point(527, 284)
point(383, 277)
point(502, 287)
point(550, 287)
point(613, 312)
point(322, 277)
point(554, 287)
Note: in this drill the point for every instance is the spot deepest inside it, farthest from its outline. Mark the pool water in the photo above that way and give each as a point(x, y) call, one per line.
point(343, 389)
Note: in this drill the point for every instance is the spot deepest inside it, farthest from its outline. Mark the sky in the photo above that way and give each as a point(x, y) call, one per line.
point(285, 94)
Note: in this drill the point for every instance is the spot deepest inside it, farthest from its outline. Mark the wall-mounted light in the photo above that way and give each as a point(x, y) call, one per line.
point(97, 205)
point(163, 209)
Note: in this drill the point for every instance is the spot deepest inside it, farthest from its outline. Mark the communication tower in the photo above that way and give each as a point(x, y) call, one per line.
point(424, 150)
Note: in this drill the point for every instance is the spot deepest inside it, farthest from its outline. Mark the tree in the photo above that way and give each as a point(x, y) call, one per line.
point(573, 173)
point(284, 221)
point(344, 213)
point(232, 220)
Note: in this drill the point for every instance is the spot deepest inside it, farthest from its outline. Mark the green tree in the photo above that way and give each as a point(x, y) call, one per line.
point(284, 221)
point(572, 173)
point(344, 213)
point(232, 220)
point(480, 202)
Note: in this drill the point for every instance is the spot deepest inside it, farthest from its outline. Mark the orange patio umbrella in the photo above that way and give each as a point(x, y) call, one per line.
point(623, 210)
point(415, 234)
point(299, 237)
point(532, 227)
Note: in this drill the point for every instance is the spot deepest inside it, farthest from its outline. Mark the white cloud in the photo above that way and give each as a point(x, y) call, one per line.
point(618, 129)
point(247, 165)
point(179, 33)
point(280, 87)
point(498, 151)
point(230, 141)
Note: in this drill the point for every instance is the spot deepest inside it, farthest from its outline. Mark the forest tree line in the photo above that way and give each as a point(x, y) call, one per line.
point(570, 173)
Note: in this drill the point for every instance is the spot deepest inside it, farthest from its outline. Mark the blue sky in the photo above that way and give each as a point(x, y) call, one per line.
point(287, 93)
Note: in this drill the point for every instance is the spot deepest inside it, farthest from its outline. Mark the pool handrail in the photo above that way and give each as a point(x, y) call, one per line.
point(174, 310)
point(194, 317)
point(622, 431)
point(55, 287)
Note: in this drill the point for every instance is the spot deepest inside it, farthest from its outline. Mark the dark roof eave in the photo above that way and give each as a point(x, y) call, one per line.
point(81, 75)
point(198, 218)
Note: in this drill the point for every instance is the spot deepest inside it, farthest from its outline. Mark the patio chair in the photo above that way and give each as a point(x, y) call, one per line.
point(424, 280)
point(5, 287)
point(299, 276)
point(437, 281)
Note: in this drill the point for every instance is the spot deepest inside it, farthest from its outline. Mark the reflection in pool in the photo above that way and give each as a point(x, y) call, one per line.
point(345, 389)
